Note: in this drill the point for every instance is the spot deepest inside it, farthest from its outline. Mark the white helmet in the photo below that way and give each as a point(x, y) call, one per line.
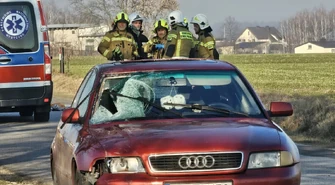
point(175, 17)
point(201, 20)
point(135, 17)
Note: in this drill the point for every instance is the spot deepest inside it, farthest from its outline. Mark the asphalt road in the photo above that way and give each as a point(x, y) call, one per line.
point(24, 149)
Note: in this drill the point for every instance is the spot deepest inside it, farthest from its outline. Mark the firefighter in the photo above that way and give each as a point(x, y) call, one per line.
point(155, 46)
point(119, 44)
point(205, 45)
point(180, 39)
point(135, 28)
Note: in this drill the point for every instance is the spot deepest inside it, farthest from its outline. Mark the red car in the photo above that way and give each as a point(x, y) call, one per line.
point(172, 122)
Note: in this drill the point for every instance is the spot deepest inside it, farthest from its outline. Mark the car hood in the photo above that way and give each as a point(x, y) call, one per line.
point(182, 136)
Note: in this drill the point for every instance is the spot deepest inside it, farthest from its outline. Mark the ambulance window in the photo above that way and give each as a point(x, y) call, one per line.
point(18, 32)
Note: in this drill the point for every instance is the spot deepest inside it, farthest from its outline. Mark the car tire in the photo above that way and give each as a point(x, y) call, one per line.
point(26, 113)
point(41, 116)
point(79, 178)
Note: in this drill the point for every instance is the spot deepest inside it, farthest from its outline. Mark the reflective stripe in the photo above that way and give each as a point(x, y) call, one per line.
point(25, 84)
point(186, 35)
point(106, 39)
point(106, 52)
point(178, 48)
point(121, 39)
point(172, 36)
point(209, 45)
point(21, 65)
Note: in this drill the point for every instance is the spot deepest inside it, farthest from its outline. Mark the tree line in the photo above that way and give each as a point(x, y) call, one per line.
point(308, 25)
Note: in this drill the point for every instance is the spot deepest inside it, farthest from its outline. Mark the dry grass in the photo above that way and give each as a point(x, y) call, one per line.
point(65, 85)
point(9, 178)
point(313, 119)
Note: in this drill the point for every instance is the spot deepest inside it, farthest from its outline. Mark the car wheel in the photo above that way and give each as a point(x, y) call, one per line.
point(79, 178)
point(42, 116)
point(26, 113)
point(54, 173)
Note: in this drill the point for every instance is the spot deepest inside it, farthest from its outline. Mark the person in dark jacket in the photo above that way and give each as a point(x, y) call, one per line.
point(135, 28)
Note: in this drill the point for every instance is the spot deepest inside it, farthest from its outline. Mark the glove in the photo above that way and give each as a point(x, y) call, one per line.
point(117, 54)
point(159, 46)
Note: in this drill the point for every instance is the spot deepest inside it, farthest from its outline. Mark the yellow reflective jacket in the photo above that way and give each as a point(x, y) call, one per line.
point(118, 40)
point(179, 42)
point(205, 46)
point(152, 52)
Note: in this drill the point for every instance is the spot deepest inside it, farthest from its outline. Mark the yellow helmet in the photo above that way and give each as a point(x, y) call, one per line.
point(185, 23)
point(161, 23)
point(185, 20)
point(121, 17)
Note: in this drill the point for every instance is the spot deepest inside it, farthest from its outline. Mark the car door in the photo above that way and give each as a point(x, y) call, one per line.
point(69, 133)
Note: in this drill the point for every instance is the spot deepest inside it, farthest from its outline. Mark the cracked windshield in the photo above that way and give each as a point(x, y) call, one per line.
point(187, 94)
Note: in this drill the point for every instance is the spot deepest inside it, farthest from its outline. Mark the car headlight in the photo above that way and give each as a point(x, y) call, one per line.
point(270, 159)
point(125, 165)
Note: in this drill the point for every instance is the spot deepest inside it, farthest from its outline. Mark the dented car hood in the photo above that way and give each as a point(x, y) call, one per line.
point(175, 136)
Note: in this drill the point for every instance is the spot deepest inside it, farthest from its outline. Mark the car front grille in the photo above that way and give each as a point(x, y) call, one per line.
point(196, 162)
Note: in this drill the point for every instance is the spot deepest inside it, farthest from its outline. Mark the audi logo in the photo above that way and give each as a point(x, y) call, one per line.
point(194, 162)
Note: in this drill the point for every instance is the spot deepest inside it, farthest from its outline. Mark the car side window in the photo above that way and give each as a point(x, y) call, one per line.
point(87, 89)
point(80, 90)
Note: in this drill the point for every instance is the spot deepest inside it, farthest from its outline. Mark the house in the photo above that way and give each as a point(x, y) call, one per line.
point(224, 47)
point(251, 47)
point(316, 47)
point(260, 40)
point(260, 34)
point(75, 37)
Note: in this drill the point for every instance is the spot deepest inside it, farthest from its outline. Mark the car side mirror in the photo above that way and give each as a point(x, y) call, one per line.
point(278, 109)
point(67, 113)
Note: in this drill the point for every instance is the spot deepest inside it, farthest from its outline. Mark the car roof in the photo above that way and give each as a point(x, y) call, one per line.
point(164, 65)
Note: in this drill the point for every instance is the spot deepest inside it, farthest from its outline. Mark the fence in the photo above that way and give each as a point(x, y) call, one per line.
point(72, 52)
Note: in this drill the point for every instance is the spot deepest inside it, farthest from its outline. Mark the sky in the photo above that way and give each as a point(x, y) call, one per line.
point(245, 10)
point(250, 10)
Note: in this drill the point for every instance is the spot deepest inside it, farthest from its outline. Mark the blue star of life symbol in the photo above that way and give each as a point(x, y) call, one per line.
point(14, 24)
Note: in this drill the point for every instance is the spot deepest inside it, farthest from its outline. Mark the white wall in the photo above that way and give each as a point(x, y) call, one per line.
point(312, 48)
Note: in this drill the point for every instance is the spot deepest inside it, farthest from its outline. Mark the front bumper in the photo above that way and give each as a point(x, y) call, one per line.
point(274, 176)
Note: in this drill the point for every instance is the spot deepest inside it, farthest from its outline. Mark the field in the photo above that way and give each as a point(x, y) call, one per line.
point(307, 81)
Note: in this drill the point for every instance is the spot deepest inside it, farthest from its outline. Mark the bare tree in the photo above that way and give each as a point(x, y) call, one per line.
point(230, 29)
point(55, 15)
point(51, 12)
point(104, 11)
point(309, 25)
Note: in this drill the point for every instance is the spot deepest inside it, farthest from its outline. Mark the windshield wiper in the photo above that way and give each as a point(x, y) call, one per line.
point(208, 108)
point(141, 99)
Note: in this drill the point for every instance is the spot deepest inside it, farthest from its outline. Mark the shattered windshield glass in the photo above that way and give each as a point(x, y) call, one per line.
point(170, 94)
